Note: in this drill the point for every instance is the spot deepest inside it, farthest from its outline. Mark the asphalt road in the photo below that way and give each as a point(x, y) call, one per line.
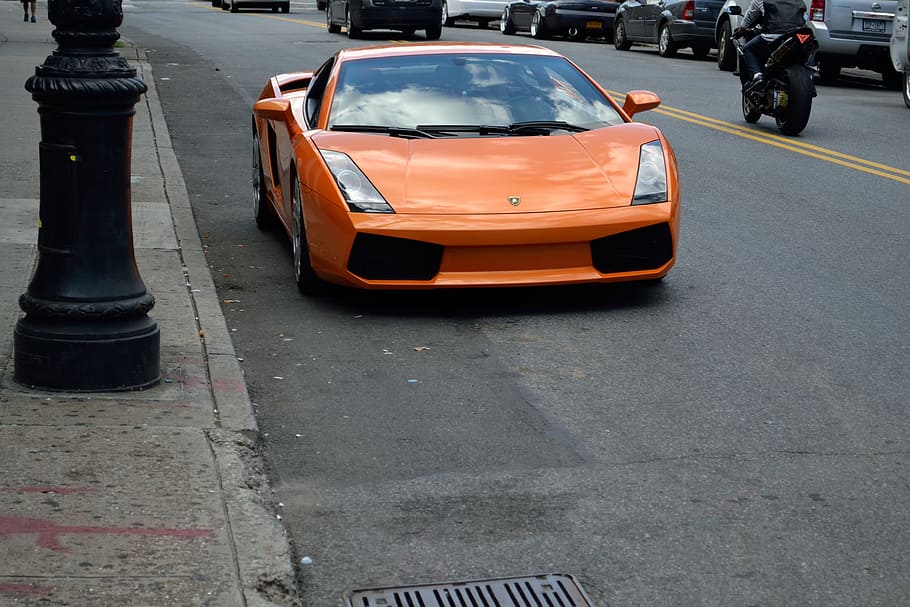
point(734, 436)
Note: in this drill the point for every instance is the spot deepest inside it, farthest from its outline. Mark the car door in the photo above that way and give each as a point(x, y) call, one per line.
point(706, 13)
point(631, 14)
point(900, 37)
point(650, 17)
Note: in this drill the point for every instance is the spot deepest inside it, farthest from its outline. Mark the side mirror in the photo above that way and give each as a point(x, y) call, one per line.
point(272, 109)
point(639, 101)
point(734, 9)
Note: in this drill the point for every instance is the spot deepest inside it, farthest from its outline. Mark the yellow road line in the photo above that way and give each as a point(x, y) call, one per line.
point(786, 143)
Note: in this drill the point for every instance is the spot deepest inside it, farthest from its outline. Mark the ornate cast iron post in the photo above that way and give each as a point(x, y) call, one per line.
point(86, 325)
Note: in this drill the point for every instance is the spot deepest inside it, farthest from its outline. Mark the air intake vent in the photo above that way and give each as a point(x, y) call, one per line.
point(642, 249)
point(548, 590)
point(375, 257)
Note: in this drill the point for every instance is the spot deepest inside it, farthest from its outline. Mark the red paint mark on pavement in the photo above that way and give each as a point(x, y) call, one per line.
point(57, 490)
point(49, 532)
point(228, 385)
point(23, 590)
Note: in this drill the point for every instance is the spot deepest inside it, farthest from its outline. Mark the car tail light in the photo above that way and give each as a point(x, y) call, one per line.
point(817, 10)
point(689, 11)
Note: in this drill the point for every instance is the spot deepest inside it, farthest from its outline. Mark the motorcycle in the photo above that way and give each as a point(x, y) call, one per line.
point(787, 89)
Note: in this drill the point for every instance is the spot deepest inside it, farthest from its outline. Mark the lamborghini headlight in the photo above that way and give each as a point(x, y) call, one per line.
point(651, 185)
point(358, 192)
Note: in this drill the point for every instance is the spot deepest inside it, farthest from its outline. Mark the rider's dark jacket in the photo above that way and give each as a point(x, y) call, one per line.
point(775, 16)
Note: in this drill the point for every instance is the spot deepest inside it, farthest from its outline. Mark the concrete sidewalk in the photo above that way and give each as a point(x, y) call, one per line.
point(156, 497)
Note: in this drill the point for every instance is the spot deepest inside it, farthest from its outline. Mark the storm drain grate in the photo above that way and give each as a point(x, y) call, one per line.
point(548, 590)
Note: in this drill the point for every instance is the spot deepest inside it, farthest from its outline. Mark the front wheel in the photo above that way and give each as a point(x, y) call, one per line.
point(665, 45)
point(505, 23)
point(620, 39)
point(891, 78)
point(353, 32)
point(906, 89)
point(330, 25)
point(265, 217)
point(446, 20)
point(726, 52)
point(751, 114)
point(308, 283)
point(793, 118)
point(434, 31)
point(538, 30)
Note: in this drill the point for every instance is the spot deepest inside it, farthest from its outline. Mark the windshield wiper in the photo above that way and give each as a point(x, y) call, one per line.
point(482, 129)
point(545, 125)
point(392, 131)
point(531, 127)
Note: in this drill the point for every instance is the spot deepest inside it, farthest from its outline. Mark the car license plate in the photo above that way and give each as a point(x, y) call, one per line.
point(594, 25)
point(874, 25)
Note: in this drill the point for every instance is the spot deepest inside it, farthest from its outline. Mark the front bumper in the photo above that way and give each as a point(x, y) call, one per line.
point(427, 252)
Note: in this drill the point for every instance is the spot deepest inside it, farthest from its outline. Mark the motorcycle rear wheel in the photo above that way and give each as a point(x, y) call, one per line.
point(792, 119)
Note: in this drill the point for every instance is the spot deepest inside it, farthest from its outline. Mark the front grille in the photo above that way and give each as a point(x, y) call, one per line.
point(549, 590)
point(375, 257)
point(642, 249)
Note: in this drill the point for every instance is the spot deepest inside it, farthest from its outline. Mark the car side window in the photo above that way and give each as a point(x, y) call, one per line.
point(316, 92)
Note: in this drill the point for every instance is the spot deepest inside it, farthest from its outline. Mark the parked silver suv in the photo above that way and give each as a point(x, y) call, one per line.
point(850, 33)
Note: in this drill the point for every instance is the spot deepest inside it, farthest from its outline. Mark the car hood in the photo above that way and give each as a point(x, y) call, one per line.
point(479, 175)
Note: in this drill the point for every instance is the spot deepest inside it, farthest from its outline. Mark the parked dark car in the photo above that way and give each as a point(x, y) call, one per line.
point(670, 24)
point(406, 16)
point(576, 19)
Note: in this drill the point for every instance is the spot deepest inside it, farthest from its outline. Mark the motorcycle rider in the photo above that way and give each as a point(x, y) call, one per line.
point(775, 17)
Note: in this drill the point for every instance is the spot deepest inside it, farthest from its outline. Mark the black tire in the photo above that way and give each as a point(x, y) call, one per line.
point(446, 20)
point(794, 118)
point(262, 211)
point(224, 5)
point(620, 41)
point(234, 7)
point(701, 51)
point(353, 31)
point(906, 89)
point(891, 78)
point(726, 51)
point(538, 29)
point(665, 45)
point(308, 283)
point(505, 23)
point(433, 32)
point(828, 70)
point(216, 3)
point(330, 25)
point(751, 114)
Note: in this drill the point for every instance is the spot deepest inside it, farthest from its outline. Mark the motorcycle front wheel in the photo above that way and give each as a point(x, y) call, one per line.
point(750, 113)
point(792, 119)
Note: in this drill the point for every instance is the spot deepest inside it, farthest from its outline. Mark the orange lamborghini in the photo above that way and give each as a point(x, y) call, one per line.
point(433, 165)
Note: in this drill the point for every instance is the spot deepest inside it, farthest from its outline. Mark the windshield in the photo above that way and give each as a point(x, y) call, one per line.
point(466, 90)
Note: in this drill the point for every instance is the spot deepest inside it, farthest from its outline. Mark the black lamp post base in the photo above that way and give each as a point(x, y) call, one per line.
point(104, 356)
